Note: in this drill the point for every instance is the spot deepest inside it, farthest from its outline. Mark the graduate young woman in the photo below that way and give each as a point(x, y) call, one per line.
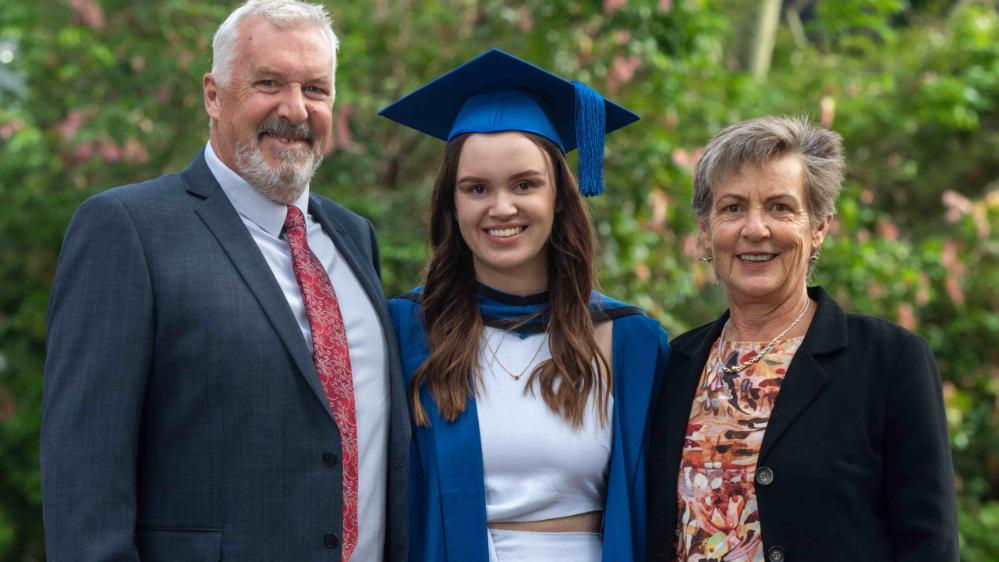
point(530, 391)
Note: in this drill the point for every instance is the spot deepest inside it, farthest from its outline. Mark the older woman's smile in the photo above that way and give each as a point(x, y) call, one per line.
point(756, 257)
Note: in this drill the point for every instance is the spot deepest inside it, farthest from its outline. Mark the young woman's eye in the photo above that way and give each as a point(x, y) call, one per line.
point(478, 189)
point(523, 186)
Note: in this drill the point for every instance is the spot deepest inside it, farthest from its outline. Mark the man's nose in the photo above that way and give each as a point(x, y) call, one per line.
point(293, 107)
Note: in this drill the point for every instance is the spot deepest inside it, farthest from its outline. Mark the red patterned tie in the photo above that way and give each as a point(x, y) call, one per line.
point(332, 359)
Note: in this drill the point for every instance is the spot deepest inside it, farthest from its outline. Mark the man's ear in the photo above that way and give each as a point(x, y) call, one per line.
point(211, 90)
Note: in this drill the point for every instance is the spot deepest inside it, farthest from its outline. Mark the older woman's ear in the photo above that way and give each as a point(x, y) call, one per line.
point(820, 231)
point(703, 230)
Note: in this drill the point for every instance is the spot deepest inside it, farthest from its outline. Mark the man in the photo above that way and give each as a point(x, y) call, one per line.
point(222, 381)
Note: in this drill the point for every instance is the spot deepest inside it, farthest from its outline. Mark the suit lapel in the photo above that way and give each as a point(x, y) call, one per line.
point(351, 254)
point(224, 223)
point(346, 246)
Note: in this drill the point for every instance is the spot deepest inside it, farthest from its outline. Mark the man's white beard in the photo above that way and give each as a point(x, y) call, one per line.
point(286, 181)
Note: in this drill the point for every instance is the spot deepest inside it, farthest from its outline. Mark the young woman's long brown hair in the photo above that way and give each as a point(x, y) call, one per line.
point(454, 323)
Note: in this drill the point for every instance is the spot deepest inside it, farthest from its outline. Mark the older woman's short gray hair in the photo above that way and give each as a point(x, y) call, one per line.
point(763, 140)
point(280, 13)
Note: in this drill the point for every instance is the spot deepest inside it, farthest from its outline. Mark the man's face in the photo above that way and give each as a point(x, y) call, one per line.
point(272, 121)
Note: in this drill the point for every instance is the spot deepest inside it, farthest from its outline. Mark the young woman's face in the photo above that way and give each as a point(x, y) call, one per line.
point(505, 206)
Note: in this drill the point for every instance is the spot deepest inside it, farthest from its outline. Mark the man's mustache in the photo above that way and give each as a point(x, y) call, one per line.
point(278, 127)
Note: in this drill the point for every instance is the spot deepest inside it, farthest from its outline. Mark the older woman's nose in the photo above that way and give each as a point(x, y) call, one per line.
point(755, 226)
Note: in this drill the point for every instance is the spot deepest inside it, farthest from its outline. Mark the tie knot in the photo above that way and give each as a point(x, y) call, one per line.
point(294, 221)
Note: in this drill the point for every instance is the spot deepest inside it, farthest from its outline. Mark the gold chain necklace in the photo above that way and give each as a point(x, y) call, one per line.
point(516, 376)
point(763, 352)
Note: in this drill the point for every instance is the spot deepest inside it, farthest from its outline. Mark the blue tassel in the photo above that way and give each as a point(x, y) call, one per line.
point(590, 129)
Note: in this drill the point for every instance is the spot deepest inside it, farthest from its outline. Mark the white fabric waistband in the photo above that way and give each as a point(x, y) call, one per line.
point(529, 546)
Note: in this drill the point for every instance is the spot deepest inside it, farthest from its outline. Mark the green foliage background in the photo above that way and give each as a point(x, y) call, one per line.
point(97, 94)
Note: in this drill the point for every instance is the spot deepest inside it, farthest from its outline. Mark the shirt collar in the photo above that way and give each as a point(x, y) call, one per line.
point(248, 202)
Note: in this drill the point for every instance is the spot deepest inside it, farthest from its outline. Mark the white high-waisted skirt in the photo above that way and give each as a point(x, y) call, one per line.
point(528, 546)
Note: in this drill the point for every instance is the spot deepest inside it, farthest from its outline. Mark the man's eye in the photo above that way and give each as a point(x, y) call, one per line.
point(266, 83)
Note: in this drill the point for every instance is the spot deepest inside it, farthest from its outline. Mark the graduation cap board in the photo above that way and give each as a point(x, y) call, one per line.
point(497, 91)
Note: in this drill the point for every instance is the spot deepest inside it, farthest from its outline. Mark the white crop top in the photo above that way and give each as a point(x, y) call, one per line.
point(537, 466)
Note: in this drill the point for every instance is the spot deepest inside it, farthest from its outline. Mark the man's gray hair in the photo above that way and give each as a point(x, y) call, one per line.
point(763, 140)
point(280, 13)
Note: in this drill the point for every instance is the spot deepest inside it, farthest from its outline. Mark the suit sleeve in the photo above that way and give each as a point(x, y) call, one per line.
point(376, 259)
point(919, 475)
point(99, 349)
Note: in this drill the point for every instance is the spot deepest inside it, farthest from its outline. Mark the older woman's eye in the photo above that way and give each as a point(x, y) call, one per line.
point(731, 208)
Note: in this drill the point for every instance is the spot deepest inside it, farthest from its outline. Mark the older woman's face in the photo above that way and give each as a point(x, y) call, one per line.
point(760, 232)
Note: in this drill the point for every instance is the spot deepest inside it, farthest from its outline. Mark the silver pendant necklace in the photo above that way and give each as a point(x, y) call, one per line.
point(516, 375)
point(763, 352)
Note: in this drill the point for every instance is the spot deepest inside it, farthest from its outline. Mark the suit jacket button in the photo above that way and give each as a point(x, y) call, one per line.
point(776, 554)
point(765, 477)
point(329, 458)
point(330, 540)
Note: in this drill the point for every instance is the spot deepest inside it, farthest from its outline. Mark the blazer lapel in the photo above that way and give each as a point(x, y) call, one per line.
point(690, 357)
point(222, 220)
point(805, 377)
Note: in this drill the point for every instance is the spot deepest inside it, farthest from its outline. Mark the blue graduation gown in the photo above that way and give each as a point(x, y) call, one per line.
point(446, 485)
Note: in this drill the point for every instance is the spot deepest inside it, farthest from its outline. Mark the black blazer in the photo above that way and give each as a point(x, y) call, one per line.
point(856, 446)
point(183, 417)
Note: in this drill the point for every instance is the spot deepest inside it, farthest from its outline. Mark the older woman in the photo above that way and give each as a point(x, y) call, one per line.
point(789, 429)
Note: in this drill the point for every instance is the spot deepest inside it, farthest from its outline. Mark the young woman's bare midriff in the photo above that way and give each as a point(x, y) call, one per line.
point(580, 523)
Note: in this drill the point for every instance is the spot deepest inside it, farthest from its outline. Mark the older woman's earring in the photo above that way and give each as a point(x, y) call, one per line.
point(812, 259)
point(707, 259)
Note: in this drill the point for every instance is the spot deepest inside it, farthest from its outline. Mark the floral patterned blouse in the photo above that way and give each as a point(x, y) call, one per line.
point(718, 519)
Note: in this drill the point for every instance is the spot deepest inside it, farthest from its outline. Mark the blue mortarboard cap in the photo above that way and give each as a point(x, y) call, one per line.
point(497, 91)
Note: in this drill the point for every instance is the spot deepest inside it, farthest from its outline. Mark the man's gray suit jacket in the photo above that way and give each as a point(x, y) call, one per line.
point(183, 417)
